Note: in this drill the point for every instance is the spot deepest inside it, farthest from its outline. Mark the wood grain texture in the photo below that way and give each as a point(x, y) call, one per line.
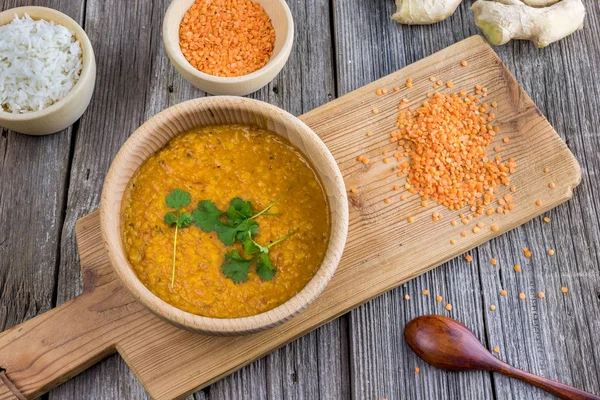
point(446, 343)
point(171, 362)
point(552, 338)
point(556, 338)
point(33, 180)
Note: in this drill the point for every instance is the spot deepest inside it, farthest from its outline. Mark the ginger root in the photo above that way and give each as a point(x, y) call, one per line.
point(423, 12)
point(504, 20)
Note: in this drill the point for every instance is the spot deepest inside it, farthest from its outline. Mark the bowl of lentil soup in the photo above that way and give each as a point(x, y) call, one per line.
point(167, 194)
point(228, 47)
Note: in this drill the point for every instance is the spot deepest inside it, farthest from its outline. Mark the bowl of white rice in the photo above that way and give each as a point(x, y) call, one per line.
point(47, 70)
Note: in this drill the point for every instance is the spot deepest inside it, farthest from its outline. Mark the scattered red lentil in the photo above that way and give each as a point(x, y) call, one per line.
point(386, 160)
point(410, 220)
point(449, 307)
point(546, 170)
point(353, 190)
point(378, 92)
point(468, 258)
point(496, 350)
point(438, 299)
point(493, 307)
point(432, 79)
point(493, 261)
point(551, 185)
point(464, 233)
point(369, 133)
point(522, 296)
point(406, 297)
point(476, 229)
point(408, 82)
point(417, 370)
point(464, 63)
point(546, 219)
point(517, 268)
point(384, 91)
point(506, 140)
point(374, 110)
point(538, 203)
point(227, 37)
point(541, 295)
point(494, 228)
point(449, 84)
point(551, 252)
point(387, 200)
point(494, 104)
point(425, 292)
point(564, 289)
point(503, 293)
point(396, 89)
point(452, 241)
point(453, 223)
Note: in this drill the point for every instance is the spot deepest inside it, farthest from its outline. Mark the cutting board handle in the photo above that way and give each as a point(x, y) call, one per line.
point(49, 349)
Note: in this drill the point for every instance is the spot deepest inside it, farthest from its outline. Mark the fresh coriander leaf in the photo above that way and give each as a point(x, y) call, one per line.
point(184, 220)
point(225, 233)
point(170, 218)
point(235, 267)
point(239, 210)
point(245, 228)
point(178, 198)
point(264, 268)
point(206, 216)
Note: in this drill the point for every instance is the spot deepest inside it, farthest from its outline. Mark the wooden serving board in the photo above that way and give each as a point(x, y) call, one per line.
point(382, 251)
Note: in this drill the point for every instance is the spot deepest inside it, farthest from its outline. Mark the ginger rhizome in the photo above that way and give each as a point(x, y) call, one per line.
point(423, 12)
point(504, 20)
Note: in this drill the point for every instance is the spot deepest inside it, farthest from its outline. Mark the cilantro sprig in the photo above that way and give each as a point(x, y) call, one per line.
point(177, 199)
point(239, 225)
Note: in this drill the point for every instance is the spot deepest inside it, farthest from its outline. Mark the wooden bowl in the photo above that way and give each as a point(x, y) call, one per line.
point(281, 17)
point(69, 109)
point(154, 135)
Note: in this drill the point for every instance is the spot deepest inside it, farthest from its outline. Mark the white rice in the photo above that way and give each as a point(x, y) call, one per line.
point(40, 62)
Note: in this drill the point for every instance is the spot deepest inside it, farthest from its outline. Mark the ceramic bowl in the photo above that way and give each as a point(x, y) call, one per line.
point(69, 109)
point(154, 135)
point(281, 17)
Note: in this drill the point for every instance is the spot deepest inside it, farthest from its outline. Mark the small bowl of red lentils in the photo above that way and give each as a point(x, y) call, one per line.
point(228, 47)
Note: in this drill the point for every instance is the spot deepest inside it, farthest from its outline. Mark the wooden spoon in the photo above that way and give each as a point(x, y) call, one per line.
point(446, 343)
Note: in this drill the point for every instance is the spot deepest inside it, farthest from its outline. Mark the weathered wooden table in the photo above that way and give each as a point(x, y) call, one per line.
point(47, 183)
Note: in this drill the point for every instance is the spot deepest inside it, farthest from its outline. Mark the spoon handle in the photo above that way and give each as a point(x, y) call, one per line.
point(558, 389)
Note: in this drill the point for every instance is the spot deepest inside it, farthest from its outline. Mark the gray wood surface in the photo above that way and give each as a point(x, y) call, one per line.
point(47, 183)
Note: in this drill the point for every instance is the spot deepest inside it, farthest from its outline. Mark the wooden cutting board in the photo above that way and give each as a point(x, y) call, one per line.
point(382, 251)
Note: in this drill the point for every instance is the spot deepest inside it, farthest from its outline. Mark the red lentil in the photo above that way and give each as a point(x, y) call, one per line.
point(227, 37)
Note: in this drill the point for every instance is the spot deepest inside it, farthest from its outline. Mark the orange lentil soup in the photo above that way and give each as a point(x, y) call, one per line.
point(220, 163)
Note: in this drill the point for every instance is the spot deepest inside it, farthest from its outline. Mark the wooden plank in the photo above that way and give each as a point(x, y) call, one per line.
point(550, 338)
point(315, 365)
point(554, 337)
point(171, 362)
point(128, 45)
point(33, 179)
point(297, 89)
point(370, 45)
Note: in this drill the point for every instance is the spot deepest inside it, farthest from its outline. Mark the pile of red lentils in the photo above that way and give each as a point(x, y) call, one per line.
point(227, 37)
point(446, 140)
